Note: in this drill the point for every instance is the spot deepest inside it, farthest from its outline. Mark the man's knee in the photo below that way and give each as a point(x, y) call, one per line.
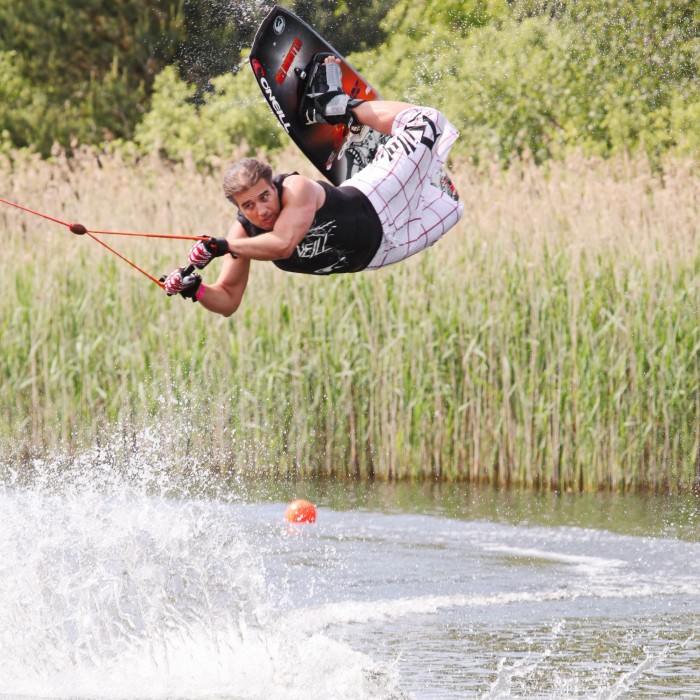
point(424, 129)
point(419, 116)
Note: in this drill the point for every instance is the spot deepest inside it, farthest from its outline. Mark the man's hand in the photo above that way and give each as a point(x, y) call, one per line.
point(203, 252)
point(183, 281)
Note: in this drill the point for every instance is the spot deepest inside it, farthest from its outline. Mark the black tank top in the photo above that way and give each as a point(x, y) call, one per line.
point(344, 236)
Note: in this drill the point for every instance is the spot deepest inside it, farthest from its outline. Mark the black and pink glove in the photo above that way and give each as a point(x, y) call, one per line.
point(203, 252)
point(183, 281)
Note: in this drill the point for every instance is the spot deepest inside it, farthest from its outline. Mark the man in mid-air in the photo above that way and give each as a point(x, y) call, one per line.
point(383, 214)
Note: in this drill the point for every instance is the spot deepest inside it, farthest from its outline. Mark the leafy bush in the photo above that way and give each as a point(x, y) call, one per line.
point(520, 78)
point(17, 102)
point(546, 78)
point(233, 115)
point(88, 65)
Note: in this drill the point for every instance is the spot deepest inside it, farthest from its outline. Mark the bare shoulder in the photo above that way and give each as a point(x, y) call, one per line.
point(299, 188)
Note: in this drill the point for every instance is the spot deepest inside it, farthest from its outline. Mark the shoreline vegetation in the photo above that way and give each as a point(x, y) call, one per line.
point(544, 78)
point(550, 341)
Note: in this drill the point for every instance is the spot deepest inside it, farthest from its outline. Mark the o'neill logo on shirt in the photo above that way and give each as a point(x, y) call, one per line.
point(316, 243)
point(267, 91)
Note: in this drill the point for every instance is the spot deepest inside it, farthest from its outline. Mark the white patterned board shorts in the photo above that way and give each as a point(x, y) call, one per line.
point(414, 213)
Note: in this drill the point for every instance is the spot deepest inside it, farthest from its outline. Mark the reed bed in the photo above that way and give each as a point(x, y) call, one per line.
point(551, 340)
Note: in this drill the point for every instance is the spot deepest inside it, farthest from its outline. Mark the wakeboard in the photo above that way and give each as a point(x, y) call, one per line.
point(283, 50)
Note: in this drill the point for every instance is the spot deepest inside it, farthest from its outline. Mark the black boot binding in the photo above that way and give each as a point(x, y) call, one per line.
point(322, 100)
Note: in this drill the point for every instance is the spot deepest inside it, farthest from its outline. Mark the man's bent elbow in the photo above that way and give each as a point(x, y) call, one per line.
point(287, 251)
point(223, 305)
point(229, 310)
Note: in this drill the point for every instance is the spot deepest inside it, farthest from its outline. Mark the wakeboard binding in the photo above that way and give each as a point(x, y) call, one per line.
point(321, 96)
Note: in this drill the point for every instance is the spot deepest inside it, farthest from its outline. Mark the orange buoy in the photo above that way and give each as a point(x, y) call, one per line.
point(300, 511)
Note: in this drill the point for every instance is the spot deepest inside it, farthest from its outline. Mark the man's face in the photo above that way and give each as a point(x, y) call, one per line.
point(260, 204)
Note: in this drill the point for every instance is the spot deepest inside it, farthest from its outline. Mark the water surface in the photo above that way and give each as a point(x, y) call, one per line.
point(128, 581)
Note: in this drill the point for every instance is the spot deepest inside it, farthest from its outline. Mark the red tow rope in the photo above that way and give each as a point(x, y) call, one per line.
point(80, 230)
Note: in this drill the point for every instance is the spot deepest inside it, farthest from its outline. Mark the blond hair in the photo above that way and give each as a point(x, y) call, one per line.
point(244, 174)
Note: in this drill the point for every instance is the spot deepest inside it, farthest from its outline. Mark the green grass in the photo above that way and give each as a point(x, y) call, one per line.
point(550, 341)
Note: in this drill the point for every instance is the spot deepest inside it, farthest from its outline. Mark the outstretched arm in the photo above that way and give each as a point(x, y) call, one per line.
point(225, 295)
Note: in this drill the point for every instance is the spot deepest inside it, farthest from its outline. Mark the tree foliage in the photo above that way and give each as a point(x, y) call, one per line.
point(229, 116)
point(518, 77)
point(83, 71)
point(85, 67)
point(348, 25)
point(538, 77)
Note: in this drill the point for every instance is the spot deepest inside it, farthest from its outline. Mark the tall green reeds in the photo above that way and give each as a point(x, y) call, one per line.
point(550, 340)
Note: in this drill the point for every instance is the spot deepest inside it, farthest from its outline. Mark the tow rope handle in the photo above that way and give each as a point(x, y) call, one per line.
point(184, 271)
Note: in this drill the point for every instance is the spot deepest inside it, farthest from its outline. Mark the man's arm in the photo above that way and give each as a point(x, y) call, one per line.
point(301, 198)
point(225, 295)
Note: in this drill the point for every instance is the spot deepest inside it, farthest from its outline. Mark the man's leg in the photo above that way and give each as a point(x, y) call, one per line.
point(413, 213)
point(436, 214)
point(325, 101)
point(380, 114)
point(403, 165)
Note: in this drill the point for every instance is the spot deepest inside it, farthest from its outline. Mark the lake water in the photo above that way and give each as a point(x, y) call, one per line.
point(123, 580)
